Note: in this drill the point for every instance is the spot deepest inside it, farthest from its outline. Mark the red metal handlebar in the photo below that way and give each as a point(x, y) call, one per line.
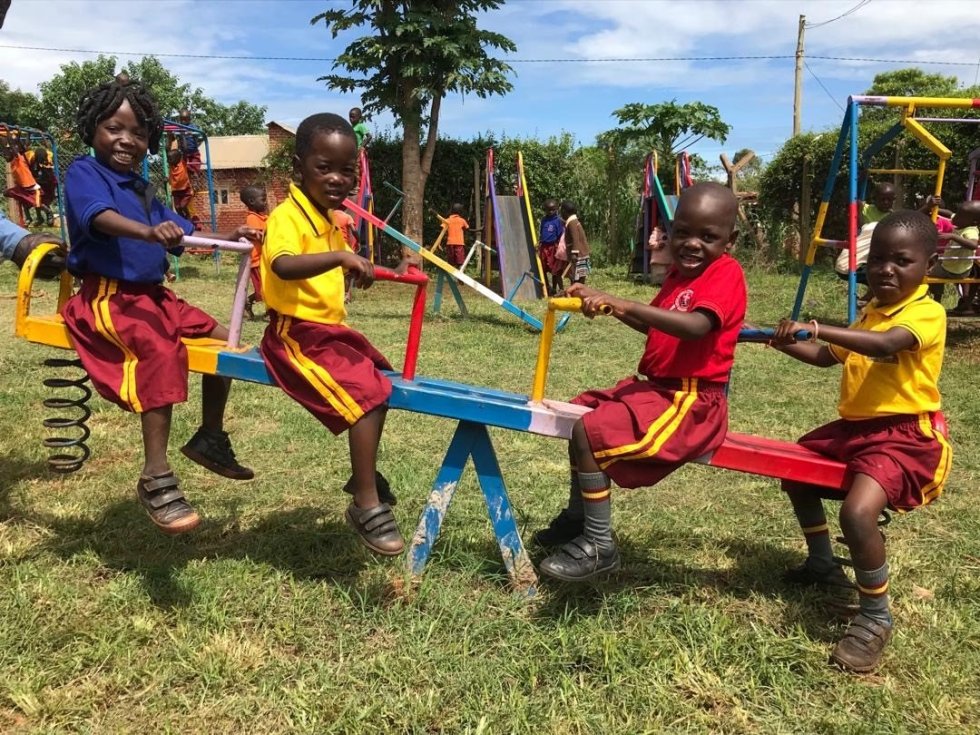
point(416, 278)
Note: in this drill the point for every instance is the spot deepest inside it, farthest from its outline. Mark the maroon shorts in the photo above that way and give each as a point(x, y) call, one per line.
point(127, 336)
point(182, 197)
point(904, 454)
point(549, 259)
point(455, 255)
point(329, 369)
point(27, 197)
point(642, 430)
point(256, 277)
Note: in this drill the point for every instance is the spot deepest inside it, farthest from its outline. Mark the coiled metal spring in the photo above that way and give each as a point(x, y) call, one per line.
point(71, 450)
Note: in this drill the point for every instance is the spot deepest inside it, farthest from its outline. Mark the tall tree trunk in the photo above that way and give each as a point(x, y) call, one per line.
point(413, 185)
point(416, 165)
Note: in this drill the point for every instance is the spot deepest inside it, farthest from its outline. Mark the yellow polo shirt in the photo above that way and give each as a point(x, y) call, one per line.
point(296, 227)
point(906, 383)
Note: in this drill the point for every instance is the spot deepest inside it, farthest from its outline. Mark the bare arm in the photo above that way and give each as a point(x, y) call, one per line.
point(641, 317)
point(863, 342)
point(109, 222)
point(297, 267)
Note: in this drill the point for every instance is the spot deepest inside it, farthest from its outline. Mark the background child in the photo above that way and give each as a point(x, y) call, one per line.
point(188, 144)
point(643, 429)
point(25, 190)
point(328, 368)
point(254, 199)
point(576, 243)
point(456, 228)
point(892, 356)
point(881, 204)
point(360, 127)
point(42, 167)
point(125, 325)
point(552, 229)
point(180, 183)
point(958, 261)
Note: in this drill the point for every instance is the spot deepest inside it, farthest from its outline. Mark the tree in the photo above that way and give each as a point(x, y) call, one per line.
point(16, 107)
point(59, 97)
point(417, 52)
point(667, 128)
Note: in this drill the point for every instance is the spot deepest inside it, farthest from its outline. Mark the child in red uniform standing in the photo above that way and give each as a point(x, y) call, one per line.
point(125, 325)
point(254, 199)
point(328, 368)
point(456, 228)
point(25, 190)
point(646, 427)
point(896, 452)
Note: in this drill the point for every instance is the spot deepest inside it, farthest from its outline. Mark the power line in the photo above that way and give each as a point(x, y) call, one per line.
point(823, 87)
point(633, 59)
point(842, 15)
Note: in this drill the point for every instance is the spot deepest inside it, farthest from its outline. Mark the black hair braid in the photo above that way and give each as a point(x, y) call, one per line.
point(101, 102)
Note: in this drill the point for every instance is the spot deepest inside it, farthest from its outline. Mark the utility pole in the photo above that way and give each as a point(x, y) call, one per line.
point(798, 85)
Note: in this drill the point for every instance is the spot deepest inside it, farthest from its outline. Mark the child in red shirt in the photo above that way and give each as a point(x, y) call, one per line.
point(676, 410)
point(254, 199)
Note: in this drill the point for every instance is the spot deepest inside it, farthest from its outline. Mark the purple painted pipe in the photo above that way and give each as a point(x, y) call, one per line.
point(241, 286)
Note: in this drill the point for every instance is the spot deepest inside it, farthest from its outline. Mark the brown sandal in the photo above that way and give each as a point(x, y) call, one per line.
point(377, 528)
point(861, 648)
point(165, 504)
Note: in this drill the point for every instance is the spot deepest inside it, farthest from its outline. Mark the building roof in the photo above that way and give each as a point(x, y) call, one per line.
point(237, 151)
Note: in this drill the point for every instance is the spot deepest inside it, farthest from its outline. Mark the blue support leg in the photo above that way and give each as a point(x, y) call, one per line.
point(515, 557)
point(441, 496)
point(454, 288)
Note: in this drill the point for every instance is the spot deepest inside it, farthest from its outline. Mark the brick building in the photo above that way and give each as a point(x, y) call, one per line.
point(236, 162)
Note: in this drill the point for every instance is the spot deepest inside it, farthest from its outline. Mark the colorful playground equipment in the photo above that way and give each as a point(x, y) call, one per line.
point(447, 274)
point(656, 211)
point(473, 408)
point(8, 132)
point(860, 166)
point(511, 228)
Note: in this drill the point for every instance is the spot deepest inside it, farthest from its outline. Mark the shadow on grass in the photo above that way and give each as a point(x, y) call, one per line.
point(298, 541)
point(13, 469)
point(756, 572)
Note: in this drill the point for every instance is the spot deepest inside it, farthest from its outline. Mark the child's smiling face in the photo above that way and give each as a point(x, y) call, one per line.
point(121, 140)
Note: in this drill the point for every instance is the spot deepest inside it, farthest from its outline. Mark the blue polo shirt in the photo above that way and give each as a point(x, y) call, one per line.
point(92, 188)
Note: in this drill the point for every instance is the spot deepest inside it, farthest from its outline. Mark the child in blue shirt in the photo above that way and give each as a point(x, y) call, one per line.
point(552, 229)
point(125, 325)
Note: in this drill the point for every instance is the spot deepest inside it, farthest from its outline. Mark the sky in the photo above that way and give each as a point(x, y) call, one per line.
point(582, 51)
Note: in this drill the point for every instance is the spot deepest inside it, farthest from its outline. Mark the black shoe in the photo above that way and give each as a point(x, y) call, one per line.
point(808, 574)
point(384, 489)
point(562, 529)
point(212, 450)
point(580, 560)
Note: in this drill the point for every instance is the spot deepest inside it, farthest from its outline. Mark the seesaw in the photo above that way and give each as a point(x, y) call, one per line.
point(473, 408)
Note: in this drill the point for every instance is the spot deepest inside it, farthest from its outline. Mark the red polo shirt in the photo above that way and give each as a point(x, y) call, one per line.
point(720, 289)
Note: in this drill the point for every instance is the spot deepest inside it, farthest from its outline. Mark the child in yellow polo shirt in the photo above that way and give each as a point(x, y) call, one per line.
point(327, 367)
point(890, 433)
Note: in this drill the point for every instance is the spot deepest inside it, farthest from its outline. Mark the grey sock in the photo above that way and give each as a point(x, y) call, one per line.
point(813, 522)
point(598, 509)
point(576, 508)
point(873, 593)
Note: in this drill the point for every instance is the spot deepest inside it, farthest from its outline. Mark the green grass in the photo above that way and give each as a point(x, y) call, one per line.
point(271, 618)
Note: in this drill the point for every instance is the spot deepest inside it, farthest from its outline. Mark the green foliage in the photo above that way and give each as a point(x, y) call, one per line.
point(667, 128)
point(16, 107)
point(415, 53)
point(781, 183)
point(58, 100)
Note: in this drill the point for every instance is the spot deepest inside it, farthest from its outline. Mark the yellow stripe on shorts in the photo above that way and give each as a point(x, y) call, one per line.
point(324, 384)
